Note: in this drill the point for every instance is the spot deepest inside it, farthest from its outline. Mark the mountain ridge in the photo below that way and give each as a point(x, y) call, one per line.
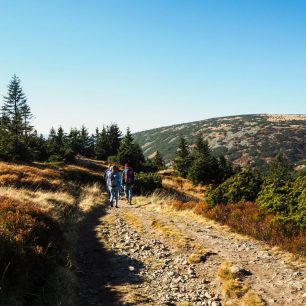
point(245, 139)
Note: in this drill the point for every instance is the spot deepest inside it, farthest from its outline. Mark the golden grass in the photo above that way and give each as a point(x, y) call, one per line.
point(21, 175)
point(236, 292)
point(184, 186)
point(133, 220)
point(91, 196)
point(41, 187)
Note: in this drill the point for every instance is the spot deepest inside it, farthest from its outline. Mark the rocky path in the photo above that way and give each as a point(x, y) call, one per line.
point(148, 255)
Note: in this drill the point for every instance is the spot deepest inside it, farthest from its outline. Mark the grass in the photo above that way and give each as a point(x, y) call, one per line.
point(236, 292)
point(246, 218)
point(40, 208)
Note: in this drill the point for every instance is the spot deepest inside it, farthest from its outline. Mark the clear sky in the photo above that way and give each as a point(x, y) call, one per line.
point(152, 63)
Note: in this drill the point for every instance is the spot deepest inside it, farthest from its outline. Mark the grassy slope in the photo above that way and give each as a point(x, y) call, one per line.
point(245, 218)
point(244, 139)
point(41, 206)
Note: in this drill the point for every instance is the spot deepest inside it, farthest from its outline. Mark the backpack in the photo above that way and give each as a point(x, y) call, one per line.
point(113, 179)
point(129, 176)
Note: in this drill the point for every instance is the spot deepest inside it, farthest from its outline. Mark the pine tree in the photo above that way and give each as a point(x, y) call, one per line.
point(16, 116)
point(114, 137)
point(278, 170)
point(87, 143)
point(158, 161)
point(130, 152)
point(101, 147)
point(204, 167)
point(182, 158)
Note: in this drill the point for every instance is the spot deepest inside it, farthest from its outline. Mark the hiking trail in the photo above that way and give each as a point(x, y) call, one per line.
point(148, 254)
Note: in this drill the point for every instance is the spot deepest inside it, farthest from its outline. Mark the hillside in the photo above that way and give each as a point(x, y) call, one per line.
point(69, 247)
point(244, 139)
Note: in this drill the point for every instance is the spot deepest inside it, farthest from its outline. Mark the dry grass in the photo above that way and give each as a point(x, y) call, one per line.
point(134, 221)
point(184, 186)
point(236, 292)
point(58, 193)
point(28, 176)
point(244, 218)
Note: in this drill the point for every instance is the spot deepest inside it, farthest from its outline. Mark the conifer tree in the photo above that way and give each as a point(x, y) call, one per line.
point(278, 170)
point(204, 167)
point(114, 137)
point(87, 143)
point(182, 158)
point(158, 161)
point(101, 147)
point(130, 152)
point(14, 111)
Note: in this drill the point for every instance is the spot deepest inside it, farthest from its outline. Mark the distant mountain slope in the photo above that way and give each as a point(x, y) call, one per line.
point(244, 139)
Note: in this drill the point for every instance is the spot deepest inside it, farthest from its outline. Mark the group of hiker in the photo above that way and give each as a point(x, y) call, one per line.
point(115, 181)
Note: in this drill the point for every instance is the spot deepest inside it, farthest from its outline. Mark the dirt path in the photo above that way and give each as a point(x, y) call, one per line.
point(148, 255)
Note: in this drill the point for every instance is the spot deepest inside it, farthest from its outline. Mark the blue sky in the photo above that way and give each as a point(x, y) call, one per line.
point(152, 63)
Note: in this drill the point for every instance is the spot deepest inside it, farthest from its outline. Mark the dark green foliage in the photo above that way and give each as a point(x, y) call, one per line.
point(158, 161)
point(101, 148)
point(243, 186)
point(286, 199)
point(58, 147)
point(182, 159)
point(107, 142)
point(130, 152)
point(203, 165)
point(15, 127)
point(257, 138)
point(146, 183)
point(278, 170)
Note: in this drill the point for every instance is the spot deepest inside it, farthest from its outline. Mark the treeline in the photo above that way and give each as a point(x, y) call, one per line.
point(278, 190)
point(200, 165)
point(19, 141)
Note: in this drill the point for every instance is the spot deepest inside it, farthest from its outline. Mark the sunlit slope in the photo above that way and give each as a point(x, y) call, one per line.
point(244, 139)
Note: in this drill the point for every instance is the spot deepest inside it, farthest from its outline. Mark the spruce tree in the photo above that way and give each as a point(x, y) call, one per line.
point(130, 152)
point(204, 167)
point(114, 137)
point(158, 161)
point(14, 110)
point(182, 158)
point(87, 143)
point(101, 147)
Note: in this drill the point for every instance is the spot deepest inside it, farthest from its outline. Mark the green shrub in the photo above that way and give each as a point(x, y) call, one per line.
point(287, 199)
point(243, 186)
point(146, 183)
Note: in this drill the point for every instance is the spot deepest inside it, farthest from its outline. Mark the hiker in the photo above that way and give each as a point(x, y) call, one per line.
point(127, 181)
point(114, 184)
point(105, 176)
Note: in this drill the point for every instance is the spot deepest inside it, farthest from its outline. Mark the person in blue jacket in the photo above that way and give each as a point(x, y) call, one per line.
point(114, 185)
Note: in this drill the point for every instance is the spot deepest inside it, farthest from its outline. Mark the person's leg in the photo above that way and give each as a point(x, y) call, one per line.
point(116, 196)
point(126, 192)
point(112, 196)
point(131, 194)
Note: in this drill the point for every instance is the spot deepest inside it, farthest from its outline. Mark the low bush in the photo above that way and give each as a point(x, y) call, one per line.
point(146, 183)
point(243, 186)
point(31, 247)
point(286, 199)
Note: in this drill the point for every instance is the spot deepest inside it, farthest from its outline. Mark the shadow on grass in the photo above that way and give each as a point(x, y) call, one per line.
point(100, 269)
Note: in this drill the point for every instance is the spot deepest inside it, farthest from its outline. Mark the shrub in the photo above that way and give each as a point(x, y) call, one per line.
point(287, 199)
point(146, 183)
point(243, 186)
point(30, 249)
